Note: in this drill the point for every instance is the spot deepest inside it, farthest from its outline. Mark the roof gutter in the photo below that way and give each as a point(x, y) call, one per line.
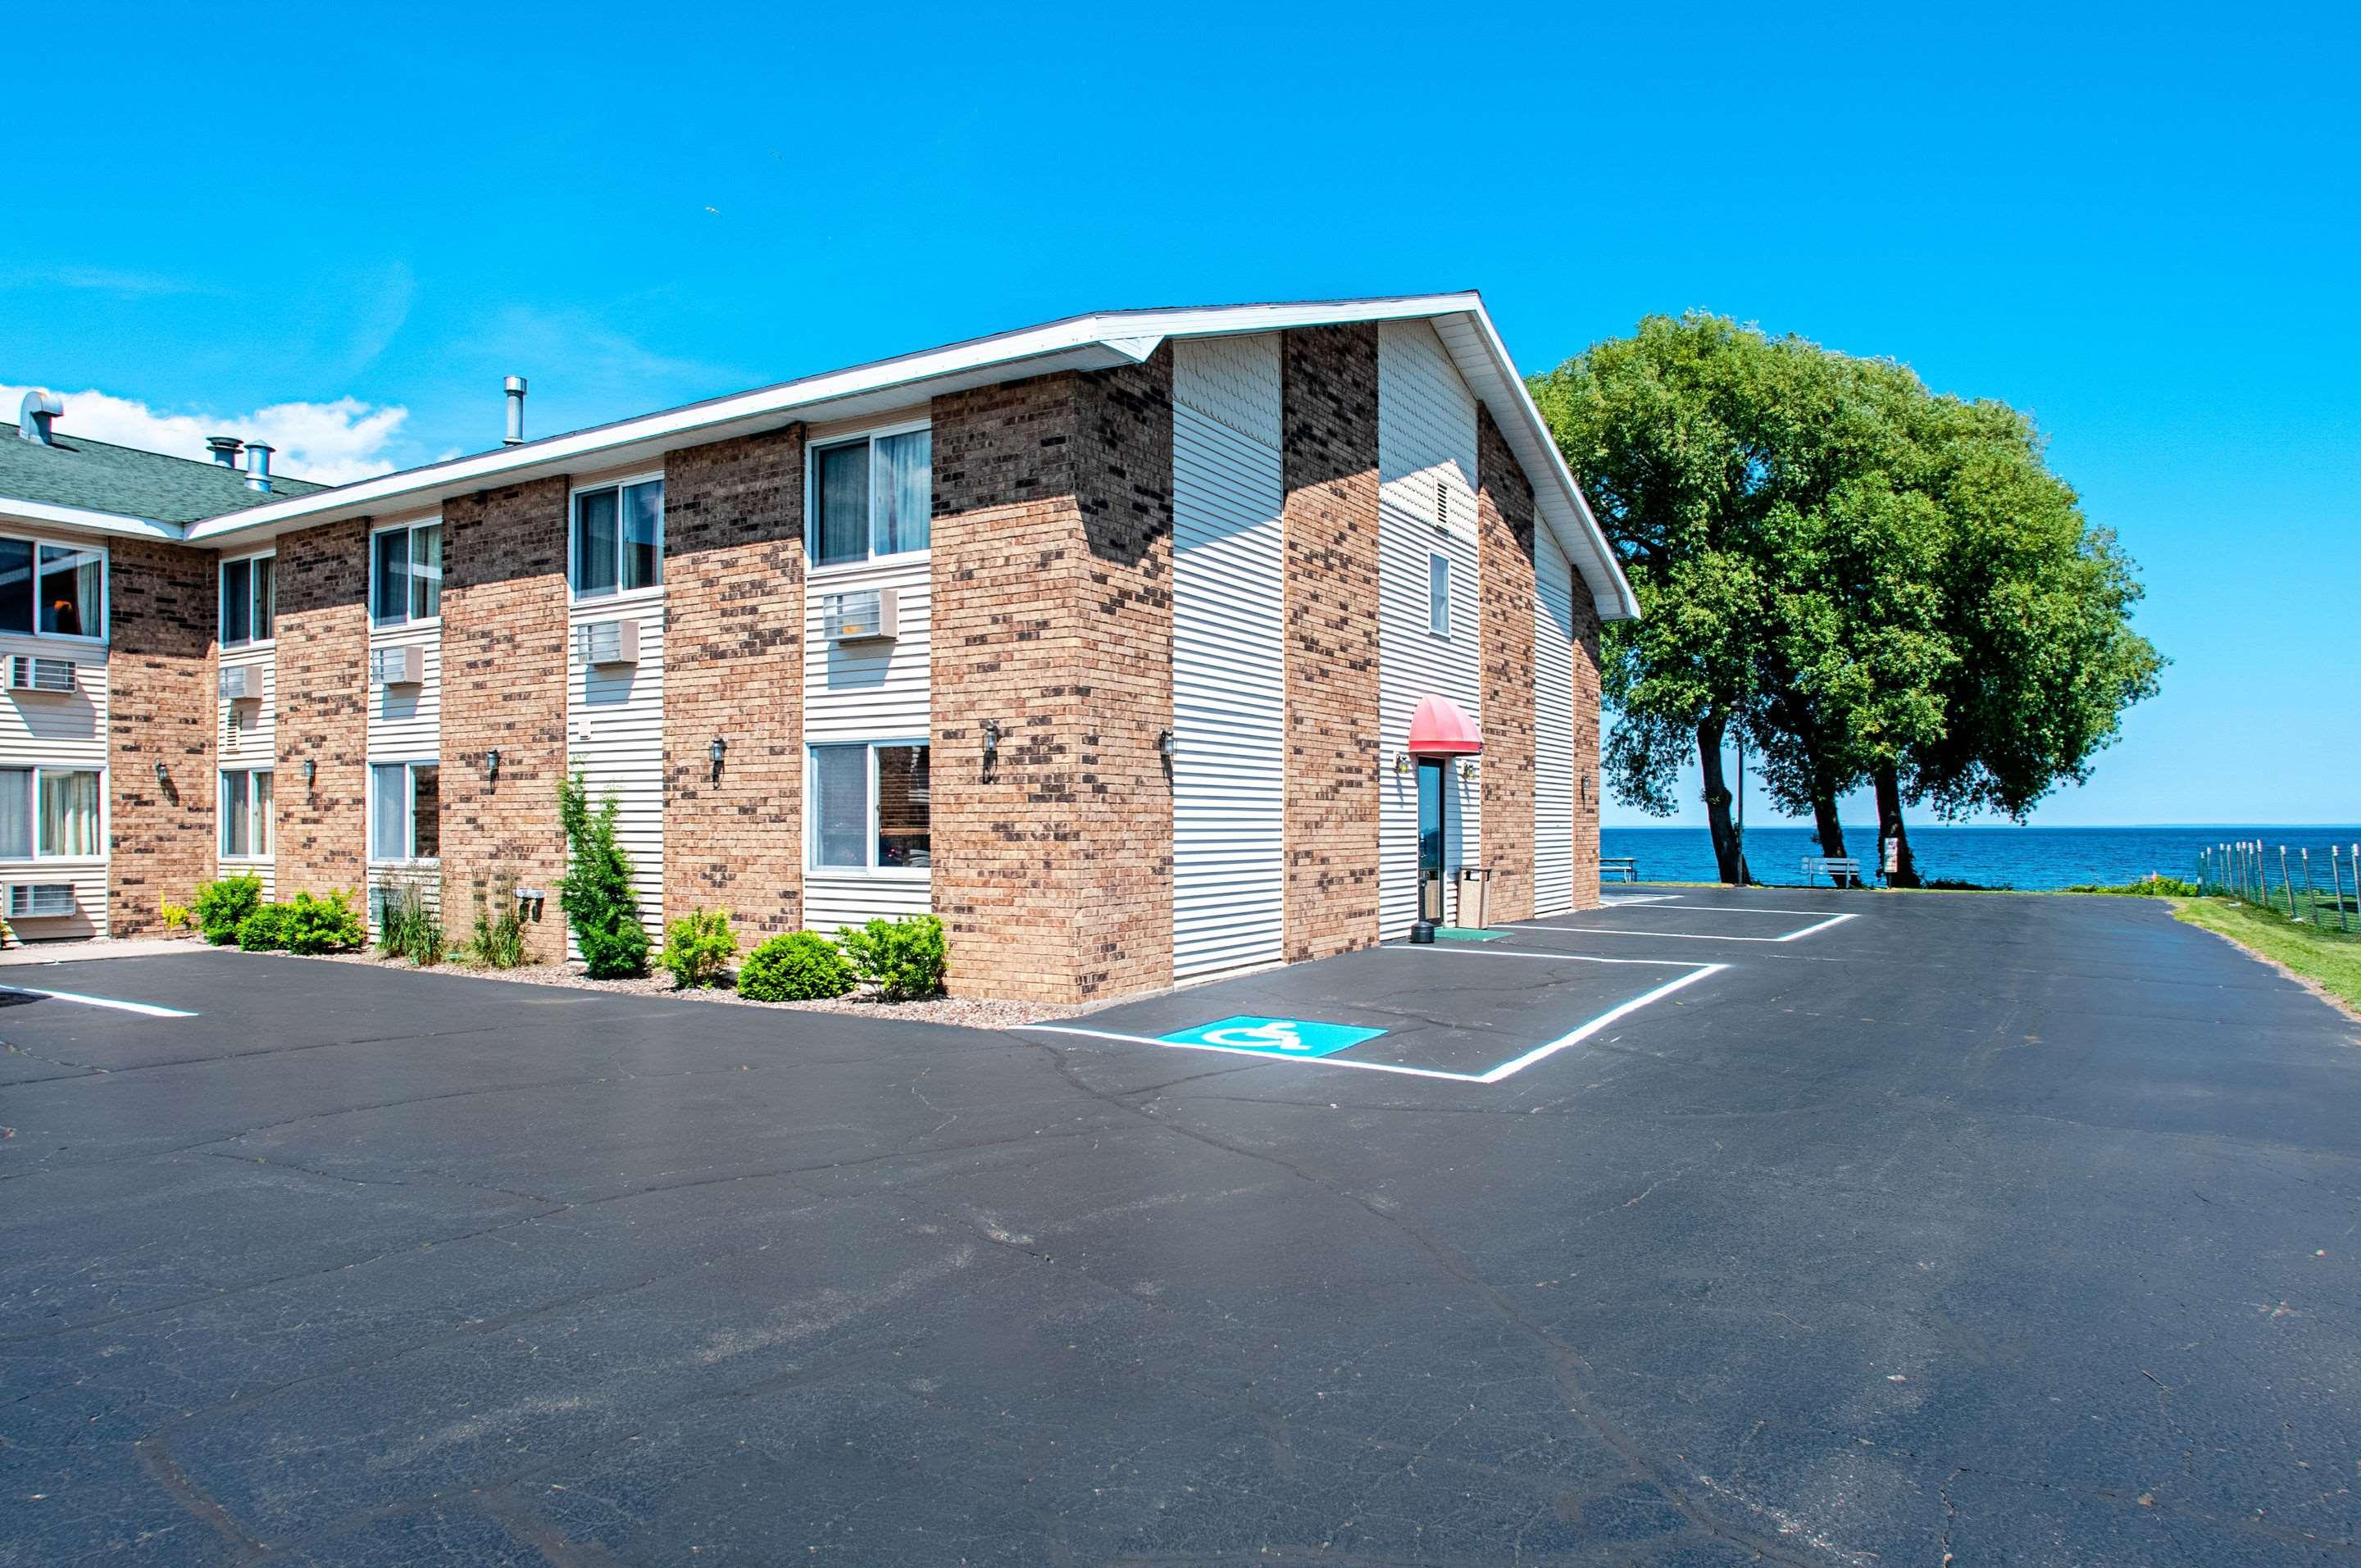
point(47, 514)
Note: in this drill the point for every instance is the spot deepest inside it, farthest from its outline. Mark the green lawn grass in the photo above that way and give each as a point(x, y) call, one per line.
point(2328, 957)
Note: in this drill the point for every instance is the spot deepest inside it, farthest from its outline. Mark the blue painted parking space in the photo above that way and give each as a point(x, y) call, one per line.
point(1280, 1037)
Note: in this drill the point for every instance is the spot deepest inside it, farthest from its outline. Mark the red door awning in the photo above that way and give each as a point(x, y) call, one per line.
point(1442, 729)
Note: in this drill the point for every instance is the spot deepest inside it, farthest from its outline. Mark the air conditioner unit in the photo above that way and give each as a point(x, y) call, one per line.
point(610, 642)
point(403, 665)
point(27, 672)
point(40, 900)
point(241, 683)
point(866, 615)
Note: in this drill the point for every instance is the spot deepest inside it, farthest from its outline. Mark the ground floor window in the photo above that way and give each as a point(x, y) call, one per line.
point(50, 812)
point(405, 811)
point(246, 813)
point(870, 806)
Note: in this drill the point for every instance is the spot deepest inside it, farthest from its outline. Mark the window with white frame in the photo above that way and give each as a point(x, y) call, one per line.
point(872, 496)
point(406, 573)
point(870, 806)
point(53, 591)
point(246, 814)
point(1438, 594)
point(405, 811)
point(249, 600)
point(618, 538)
point(50, 814)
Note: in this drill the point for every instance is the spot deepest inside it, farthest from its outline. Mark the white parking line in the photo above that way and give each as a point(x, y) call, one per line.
point(1683, 936)
point(1575, 1037)
point(145, 1009)
point(1677, 907)
point(1475, 950)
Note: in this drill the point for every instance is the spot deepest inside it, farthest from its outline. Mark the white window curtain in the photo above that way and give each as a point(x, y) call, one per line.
point(16, 814)
point(70, 814)
point(905, 492)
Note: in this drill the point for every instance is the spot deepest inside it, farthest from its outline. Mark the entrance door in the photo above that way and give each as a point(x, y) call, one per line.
point(1433, 805)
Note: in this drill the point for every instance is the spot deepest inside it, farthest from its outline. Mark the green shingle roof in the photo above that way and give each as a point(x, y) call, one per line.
point(77, 472)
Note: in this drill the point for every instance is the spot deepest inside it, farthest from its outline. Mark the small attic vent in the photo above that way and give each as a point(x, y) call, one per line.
point(1441, 504)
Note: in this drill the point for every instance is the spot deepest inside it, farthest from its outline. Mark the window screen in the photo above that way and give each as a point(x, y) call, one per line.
point(902, 806)
point(595, 535)
point(73, 591)
point(16, 814)
point(841, 788)
point(843, 496)
point(16, 584)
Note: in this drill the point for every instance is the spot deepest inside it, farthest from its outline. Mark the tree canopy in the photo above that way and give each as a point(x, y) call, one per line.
point(1867, 583)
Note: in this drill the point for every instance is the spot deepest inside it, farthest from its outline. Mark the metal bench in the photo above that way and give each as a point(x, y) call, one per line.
point(1842, 871)
point(1618, 867)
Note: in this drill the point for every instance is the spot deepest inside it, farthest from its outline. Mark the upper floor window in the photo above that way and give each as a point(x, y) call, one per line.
point(53, 591)
point(872, 496)
point(249, 599)
point(50, 814)
point(1438, 594)
point(618, 538)
point(406, 573)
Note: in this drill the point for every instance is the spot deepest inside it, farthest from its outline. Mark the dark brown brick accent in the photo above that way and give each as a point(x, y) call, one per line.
point(321, 655)
point(1506, 607)
point(160, 677)
point(504, 689)
point(1052, 616)
point(1329, 415)
point(733, 667)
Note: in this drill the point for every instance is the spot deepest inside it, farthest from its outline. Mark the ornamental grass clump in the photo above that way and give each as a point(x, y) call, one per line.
point(407, 929)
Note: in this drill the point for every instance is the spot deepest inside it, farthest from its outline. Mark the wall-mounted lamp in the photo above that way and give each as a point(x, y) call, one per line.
point(1586, 789)
point(1401, 764)
point(492, 765)
point(714, 751)
point(1468, 771)
point(1164, 744)
point(990, 742)
point(162, 780)
point(311, 772)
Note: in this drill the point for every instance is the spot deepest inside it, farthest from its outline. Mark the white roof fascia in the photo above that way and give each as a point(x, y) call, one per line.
point(47, 514)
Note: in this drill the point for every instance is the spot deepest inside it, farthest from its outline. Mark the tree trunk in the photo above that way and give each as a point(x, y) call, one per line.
point(1889, 825)
point(1824, 815)
point(1727, 856)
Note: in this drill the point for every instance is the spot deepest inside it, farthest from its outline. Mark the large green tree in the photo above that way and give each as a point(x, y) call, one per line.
point(1869, 583)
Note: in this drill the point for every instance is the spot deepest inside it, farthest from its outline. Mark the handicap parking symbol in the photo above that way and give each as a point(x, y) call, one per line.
point(1275, 1036)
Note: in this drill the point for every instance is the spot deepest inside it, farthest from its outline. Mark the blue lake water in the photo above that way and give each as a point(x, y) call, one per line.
point(1989, 857)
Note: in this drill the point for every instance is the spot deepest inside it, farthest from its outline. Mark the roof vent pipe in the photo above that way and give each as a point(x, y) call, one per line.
point(515, 436)
point(33, 419)
point(225, 449)
point(257, 466)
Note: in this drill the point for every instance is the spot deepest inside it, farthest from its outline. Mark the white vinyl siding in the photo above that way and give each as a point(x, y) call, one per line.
point(245, 737)
point(869, 692)
point(405, 725)
point(1554, 758)
point(66, 729)
point(1426, 470)
point(1229, 697)
point(614, 731)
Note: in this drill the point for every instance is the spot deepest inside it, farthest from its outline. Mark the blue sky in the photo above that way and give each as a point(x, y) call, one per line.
point(343, 228)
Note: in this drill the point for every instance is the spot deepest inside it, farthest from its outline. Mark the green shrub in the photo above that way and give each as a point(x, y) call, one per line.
point(265, 929)
point(698, 947)
point(903, 958)
point(596, 892)
point(221, 905)
point(497, 940)
point(176, 915)
point(802, 966)
point(329, 924)
point(407, 929)
point(2151, 887)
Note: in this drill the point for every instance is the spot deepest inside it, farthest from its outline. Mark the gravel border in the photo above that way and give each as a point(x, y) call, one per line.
point(966, 1012)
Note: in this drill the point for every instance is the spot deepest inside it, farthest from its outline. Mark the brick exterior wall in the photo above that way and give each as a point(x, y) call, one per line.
point(733, 667)
point(160, 678)
point(504, 689)
point(1329, 465)
point(1507, 596)
point(322, 654)
point(1052, 571)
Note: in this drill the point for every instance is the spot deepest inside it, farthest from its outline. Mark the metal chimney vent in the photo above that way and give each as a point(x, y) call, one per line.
point(225, 449)
point(257, 466)
point(33, 419)
point(515, 436)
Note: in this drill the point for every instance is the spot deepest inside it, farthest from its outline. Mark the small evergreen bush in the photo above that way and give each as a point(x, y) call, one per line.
point(407, 929)
point(264, 930)
point(802, 966)
point(903, 958)
point(223, 905)
point(329, 924)
point(596, 892)
point(698, 947)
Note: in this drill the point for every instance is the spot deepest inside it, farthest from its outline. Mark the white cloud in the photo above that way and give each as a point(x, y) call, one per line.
point(332, 443)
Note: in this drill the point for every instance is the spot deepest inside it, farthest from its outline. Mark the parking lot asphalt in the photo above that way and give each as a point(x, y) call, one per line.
point(1967, 1229)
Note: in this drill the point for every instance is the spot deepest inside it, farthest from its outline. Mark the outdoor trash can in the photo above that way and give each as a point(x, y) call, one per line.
point(1474, 897)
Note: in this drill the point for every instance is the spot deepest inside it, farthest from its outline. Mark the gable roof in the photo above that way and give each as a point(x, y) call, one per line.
point(75, 472)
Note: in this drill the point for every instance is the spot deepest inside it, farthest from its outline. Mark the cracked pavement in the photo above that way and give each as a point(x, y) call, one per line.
point(1977, 1229)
